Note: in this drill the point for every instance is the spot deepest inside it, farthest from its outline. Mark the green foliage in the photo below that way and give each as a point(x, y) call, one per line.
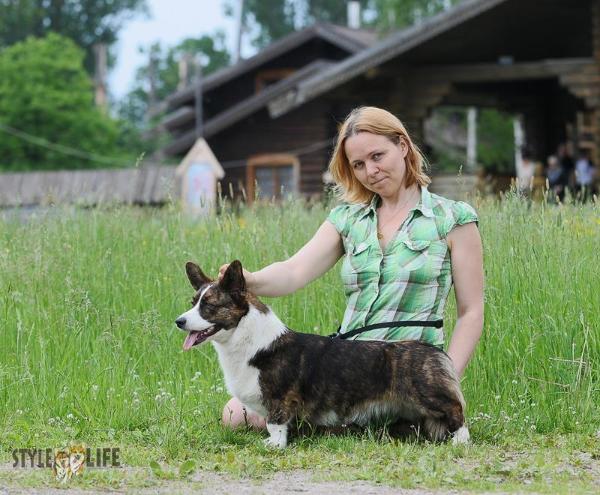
point(394, 14)
point(45, 92)
point(141, 110)
point(269, 20)
point(84, 21)
point(495, 144)
point(163, 70)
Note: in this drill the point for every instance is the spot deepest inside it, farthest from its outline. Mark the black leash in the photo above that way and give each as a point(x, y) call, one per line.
point(389, 324)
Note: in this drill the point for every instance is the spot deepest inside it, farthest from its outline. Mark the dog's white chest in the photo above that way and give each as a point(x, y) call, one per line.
point(241, 380)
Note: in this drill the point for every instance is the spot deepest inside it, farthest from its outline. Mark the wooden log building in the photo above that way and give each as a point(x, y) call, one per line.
point(272, 118)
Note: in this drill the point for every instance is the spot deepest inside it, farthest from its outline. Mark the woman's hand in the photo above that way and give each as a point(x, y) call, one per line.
point(248, 276)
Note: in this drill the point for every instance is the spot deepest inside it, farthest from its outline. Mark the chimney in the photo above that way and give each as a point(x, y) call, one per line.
point(354, 15)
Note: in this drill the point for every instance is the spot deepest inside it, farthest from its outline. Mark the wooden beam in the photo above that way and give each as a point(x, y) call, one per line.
point(486, 72)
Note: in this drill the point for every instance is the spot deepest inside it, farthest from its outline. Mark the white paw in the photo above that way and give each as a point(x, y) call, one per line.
point(275, 443)
point(461, 436)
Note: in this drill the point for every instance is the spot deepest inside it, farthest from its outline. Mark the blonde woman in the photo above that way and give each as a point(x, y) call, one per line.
point(403, 248)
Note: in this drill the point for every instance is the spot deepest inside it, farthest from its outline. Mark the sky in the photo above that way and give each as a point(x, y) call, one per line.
point(169, 22)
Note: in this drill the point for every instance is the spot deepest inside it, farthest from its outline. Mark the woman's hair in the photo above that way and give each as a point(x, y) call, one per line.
point(376, 121)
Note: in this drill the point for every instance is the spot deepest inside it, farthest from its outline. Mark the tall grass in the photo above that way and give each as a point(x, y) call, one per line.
point(89, 349)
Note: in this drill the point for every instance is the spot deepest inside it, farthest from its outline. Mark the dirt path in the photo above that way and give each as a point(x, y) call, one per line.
point(296, 482)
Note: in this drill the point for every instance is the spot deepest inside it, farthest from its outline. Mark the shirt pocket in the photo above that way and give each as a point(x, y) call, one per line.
point(414, 253)
point(356, 271)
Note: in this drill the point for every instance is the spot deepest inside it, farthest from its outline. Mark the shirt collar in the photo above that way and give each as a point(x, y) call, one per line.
point(424, 205)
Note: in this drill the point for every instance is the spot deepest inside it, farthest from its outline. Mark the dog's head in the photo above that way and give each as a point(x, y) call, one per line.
point(217, 308)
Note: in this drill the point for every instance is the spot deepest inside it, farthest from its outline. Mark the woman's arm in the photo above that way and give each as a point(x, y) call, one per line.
point(315, 258)
point(467, 273)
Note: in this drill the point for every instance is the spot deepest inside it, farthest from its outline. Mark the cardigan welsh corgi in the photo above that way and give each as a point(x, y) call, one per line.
point(284, 375)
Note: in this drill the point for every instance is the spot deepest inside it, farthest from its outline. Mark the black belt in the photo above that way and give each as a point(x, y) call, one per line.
point(389, 324)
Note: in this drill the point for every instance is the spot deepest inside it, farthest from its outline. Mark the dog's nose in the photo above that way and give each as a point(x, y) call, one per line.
point(180, 322)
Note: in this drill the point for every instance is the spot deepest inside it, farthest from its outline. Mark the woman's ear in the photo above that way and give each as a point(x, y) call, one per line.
point(403, 147)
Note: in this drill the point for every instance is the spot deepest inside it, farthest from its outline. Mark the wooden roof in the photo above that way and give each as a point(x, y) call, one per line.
point(269, 96)
point(560, 27)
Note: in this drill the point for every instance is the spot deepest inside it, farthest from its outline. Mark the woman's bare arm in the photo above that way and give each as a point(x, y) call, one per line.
point(314, 259)
point(467, 273)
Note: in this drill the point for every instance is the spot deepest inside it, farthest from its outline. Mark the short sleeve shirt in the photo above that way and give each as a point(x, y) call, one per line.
point(410, 279)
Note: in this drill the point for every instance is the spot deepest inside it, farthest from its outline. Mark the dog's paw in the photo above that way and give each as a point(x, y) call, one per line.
point(274, 443)
point(461, 436)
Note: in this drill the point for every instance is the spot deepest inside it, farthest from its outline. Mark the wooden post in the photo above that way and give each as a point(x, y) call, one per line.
point(100, 75)
point(471, 139)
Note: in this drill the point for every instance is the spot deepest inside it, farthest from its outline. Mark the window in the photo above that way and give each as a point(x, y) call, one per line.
point(272, 176)
point(267, 77)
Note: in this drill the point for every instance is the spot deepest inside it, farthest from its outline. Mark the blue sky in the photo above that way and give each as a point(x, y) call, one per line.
point(169, 22)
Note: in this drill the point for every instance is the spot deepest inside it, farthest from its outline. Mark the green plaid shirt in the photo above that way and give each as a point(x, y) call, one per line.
point(411, 279)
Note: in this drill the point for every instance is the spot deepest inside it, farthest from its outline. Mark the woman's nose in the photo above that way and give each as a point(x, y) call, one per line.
point(372, 169)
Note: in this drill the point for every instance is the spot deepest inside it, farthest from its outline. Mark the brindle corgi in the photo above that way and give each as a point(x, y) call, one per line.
point(284, 375)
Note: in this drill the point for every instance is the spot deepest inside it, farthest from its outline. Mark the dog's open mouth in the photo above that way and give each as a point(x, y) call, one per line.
point(197, 337)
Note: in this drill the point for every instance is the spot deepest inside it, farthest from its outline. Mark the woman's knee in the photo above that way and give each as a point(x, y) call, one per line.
point(236, 415)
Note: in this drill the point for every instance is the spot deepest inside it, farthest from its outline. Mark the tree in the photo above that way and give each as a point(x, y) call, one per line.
point(46, 93)
point(269, 20)
point(395, 14)
point(163, 71)
point(86, 22)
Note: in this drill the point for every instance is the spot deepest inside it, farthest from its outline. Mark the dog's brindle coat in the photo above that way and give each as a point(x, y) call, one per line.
point(286, 375)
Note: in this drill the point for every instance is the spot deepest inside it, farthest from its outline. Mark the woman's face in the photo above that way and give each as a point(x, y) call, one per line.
point(377, 162)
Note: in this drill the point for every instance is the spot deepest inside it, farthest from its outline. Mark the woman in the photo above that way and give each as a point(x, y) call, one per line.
point(403, 246)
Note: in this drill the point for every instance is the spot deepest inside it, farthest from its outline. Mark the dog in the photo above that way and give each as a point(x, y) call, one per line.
point(285, 375)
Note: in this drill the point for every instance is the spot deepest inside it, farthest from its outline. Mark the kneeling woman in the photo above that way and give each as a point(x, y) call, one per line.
point(403, 247)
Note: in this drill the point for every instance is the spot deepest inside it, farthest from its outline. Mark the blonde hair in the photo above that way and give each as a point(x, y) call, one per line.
point(376, 121)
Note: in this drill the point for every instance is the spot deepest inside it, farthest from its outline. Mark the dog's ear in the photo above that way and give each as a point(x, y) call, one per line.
point(233, 278)
point(196, 275)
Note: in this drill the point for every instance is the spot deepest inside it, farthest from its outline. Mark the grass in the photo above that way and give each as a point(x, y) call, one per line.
point(90, 353)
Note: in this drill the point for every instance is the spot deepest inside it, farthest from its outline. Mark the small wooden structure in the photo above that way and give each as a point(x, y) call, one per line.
point(198, 173)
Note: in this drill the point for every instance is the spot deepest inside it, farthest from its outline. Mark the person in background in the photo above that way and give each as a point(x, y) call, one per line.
point(557, 179)
point(565, 158)
point(584, 175)
point(525, 172)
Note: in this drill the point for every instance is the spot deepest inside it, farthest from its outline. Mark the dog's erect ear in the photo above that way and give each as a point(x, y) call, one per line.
point(196, 275)
point(233, 278)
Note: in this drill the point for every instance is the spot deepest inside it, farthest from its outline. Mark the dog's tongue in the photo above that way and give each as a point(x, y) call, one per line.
point(190, 340)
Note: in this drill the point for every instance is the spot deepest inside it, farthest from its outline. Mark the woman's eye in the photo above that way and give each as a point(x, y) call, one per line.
point(377, 156)
point(358, 165)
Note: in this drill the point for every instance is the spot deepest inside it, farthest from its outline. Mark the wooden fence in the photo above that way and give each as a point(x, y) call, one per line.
point(150, 185)
point(143, 185)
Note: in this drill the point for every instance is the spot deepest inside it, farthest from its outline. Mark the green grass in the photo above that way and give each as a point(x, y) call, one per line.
point(90, 352)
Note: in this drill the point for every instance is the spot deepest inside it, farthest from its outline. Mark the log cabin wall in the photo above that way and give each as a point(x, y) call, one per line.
point(298, 133)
